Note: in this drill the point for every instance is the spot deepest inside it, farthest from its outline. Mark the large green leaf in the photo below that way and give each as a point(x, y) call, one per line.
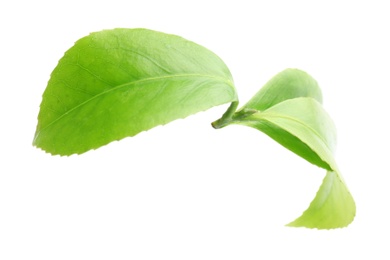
point(117, 83)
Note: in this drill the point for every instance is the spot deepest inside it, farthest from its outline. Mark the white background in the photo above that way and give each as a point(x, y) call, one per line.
point(185, 190)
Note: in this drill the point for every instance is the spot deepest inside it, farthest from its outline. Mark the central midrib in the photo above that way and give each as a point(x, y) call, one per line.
point(228, 82)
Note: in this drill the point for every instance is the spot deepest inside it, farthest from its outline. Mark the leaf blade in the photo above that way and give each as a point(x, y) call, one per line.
point(287, 140)
point(305, 120)
point(287, 84)
point(332, 207)
point(108, 79)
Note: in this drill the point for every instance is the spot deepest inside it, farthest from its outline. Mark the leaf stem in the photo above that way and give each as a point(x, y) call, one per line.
point(226, 117)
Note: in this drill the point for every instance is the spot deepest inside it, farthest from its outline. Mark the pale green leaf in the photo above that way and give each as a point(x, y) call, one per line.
point(333, 206)
point(305, 119)
point(303, 126)
point(288, 109)
point(117, 83)
point(288, 84)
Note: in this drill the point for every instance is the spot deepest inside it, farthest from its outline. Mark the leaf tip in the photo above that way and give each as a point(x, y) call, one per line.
point(333, 206)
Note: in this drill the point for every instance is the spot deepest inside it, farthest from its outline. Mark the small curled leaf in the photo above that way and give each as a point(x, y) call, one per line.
point(332, 207)
point(116, 83)
point(288, 84)
point(288, 109)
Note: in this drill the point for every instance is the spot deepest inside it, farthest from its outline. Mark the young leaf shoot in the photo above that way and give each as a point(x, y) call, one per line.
point(288, 109)
point(117, 83)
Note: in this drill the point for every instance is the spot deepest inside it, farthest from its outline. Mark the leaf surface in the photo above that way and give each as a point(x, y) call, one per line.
point(288, 84)
point(289, 110)
point(301, 125)
point(117, 83)
point(305, 119)
point(333, 206)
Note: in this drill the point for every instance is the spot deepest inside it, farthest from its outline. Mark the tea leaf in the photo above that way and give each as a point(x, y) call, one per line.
point(333, 206)
point(302, 126)
point(117, 83)
point(288, 84)
point(288, 109)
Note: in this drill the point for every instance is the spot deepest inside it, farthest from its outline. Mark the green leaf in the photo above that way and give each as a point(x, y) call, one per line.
point(299, 120)
point(333, 206)
point(116, 83)
point(301, 125)
point(288, 84)
point(288, 109)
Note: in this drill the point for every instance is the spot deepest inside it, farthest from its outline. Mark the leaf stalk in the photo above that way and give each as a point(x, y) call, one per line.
point(227, 117)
